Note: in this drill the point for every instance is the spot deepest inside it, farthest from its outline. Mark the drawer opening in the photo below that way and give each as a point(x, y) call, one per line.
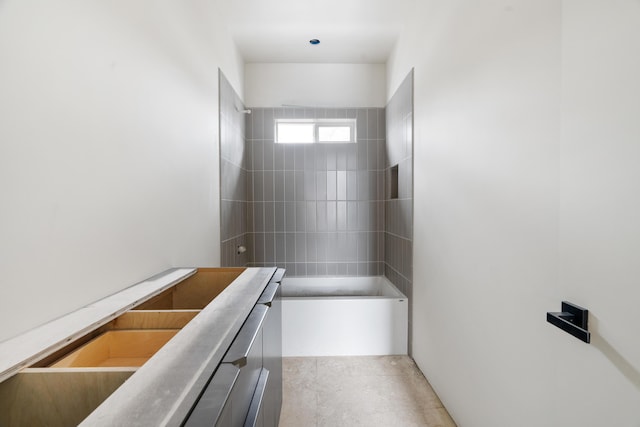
point(194, 292)
point(57, 397)
point(126, 348)
point(130, 320)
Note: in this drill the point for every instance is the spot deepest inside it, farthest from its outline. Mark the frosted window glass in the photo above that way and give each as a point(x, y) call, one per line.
point(334, 134)
point(295, 133)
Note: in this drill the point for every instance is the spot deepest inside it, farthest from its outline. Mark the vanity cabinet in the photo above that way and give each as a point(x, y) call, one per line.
point(246, 389)
point(272, 297)
point(153, 354)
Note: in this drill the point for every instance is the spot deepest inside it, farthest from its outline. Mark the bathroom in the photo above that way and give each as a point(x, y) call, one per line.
point(517, 151)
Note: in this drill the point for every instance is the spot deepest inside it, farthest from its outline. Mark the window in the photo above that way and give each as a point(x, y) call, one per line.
point(309, 131)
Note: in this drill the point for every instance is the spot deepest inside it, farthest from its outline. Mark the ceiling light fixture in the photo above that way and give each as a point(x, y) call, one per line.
point(314, 41)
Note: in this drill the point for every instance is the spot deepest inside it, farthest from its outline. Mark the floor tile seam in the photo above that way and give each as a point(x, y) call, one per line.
point(326, 420)
point(316, 414)
point(415, 375)
point(437, 404)
point(431, 405)
point(315, 368)
point(433, 401)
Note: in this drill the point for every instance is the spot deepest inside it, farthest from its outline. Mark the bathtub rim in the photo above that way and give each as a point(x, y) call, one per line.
point(392, 292)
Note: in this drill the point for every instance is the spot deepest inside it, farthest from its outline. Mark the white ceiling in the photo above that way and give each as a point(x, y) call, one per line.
point(350, 31)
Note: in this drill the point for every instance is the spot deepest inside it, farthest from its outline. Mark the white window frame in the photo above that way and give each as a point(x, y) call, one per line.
point(317, 124)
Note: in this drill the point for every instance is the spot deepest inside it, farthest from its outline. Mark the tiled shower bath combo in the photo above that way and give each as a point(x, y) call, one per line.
point(319, 209)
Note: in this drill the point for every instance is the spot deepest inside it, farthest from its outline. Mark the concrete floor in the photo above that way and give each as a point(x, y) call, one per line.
point(359, 391)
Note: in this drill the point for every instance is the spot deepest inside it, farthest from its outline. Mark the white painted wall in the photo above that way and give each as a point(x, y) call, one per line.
point(599, 207)
point(526, 172)
point(108, 148)
point(315, 85)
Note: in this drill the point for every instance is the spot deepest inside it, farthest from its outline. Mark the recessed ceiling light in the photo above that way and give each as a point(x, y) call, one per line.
point(314, 41)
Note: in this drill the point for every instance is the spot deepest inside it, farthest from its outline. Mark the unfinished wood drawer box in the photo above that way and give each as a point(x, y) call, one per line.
point(194, 292)
point(118, 349)
point(62, 384)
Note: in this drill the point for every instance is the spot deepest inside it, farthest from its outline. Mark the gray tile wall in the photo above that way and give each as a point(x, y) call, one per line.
point(317, 209)
point(398, 227)
point(233, 177)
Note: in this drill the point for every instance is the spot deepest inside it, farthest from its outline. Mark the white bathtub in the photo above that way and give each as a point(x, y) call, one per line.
point(343, 316)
